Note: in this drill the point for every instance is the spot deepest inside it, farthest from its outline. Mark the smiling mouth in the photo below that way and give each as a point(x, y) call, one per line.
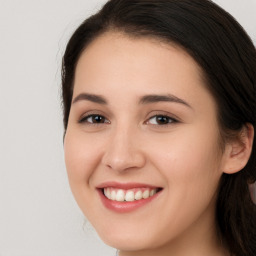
point(130, 195)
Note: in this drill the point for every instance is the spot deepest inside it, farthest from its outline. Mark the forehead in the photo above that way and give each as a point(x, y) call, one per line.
point(130, 48)
point(115, 62)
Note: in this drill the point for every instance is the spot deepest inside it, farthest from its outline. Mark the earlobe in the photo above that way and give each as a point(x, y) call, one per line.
point(238, 151)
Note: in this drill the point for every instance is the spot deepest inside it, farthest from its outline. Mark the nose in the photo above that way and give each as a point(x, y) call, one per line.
point(124, 151)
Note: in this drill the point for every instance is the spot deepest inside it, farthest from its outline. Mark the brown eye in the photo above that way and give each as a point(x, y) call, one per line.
point(98, 119)
point(161, 120)
point(94, 119)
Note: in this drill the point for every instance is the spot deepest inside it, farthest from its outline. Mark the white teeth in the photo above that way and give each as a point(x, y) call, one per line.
point(152, 192)
point(129, 196)
point(138, 195)
point(113, 195)
point(145, 194)
point(107, 193)
point(120, 196)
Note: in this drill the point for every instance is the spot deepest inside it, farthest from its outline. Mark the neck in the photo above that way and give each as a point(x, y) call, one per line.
point(179, 248)
point(198, 240)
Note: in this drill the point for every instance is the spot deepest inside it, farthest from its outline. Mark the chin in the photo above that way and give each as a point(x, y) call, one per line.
point(130, 241)
point(126, 243)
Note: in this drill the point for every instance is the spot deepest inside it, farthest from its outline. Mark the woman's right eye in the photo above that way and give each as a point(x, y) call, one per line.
point(94, 119)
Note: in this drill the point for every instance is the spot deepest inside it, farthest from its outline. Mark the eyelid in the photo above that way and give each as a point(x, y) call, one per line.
point(164, 114)
point(171, 120)
point(89, 114)
point(83, 120)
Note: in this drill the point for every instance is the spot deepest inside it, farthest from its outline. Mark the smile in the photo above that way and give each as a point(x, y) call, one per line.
point(130, 195)
point(124, 198)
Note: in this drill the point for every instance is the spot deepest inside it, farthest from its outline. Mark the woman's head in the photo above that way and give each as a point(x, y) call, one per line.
point(216, 64)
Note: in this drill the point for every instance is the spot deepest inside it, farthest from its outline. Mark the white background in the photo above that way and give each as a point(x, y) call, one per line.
point(38, 215)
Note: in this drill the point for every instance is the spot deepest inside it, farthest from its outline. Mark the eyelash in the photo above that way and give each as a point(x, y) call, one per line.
point(102, 120)
point(85, 119)
point(168, 120)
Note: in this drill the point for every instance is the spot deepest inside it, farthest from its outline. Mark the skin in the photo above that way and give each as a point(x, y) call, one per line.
point(182, 157)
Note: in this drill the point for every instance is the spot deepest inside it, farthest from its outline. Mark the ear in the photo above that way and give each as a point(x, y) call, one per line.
point(238, 151)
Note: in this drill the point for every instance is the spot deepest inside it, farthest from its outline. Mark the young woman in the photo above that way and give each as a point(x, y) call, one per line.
point(159, 102)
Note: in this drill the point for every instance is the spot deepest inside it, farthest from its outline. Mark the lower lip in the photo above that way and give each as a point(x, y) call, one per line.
point(124, 207)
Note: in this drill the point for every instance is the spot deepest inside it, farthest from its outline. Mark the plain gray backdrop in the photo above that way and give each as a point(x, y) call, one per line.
point(38, 215)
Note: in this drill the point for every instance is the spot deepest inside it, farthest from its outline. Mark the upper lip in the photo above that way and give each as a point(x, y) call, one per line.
point(130, 185)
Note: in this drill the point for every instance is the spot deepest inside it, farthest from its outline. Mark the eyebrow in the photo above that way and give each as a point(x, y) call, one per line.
point(147, 99)
point(90, 97)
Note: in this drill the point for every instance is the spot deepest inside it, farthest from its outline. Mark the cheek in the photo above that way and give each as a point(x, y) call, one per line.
point(81, 156)
point(191, 170)
point(189, 160)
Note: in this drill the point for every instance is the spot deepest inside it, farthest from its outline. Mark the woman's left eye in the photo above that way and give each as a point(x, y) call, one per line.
point(161, 120)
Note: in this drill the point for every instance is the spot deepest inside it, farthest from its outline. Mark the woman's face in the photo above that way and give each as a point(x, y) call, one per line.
point(142, 124)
